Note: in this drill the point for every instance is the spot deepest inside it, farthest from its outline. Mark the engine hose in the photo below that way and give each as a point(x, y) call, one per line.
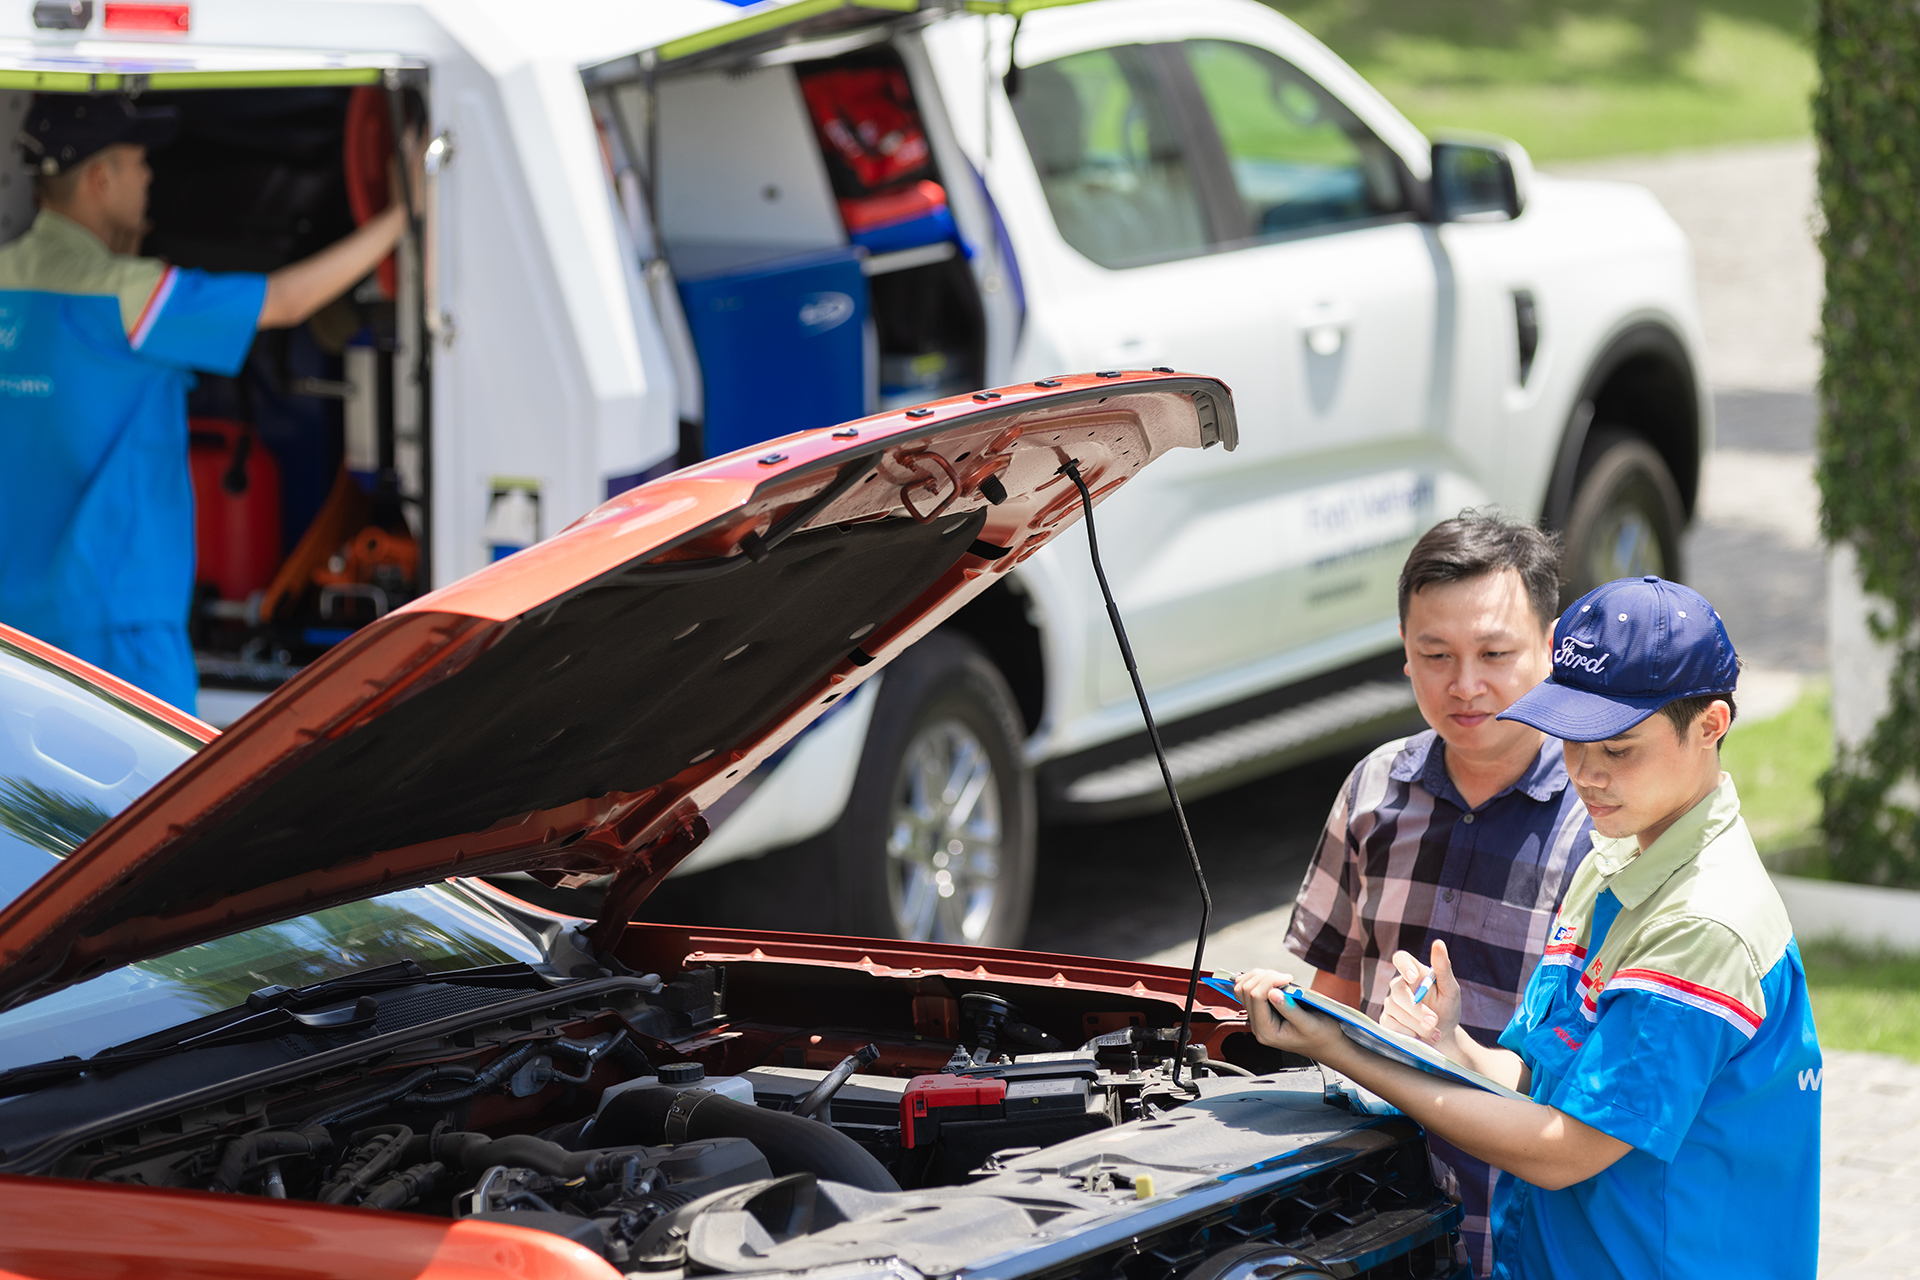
point(246, 1152)
point(649, 1117)
point(824, 1091)
point(472, 1151)
point(501, 1067)
point(374, 1151)
point(403, 1188)
point(375, 1101)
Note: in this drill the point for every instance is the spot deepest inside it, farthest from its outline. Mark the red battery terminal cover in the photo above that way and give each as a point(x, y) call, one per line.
point(930, 1101)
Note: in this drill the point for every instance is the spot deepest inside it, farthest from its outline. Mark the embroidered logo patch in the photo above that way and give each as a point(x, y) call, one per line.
point(1568, 1040)
point(1569, 656)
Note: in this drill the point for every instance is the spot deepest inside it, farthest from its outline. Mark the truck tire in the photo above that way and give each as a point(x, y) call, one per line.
point(937, 841)
point(1626, 516)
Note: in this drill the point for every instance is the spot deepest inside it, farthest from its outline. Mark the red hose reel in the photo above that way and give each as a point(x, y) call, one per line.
point(367, 151)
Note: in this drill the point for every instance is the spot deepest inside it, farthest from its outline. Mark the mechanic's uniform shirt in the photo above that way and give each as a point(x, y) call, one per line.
point(1671, 1013)
point(96, 502)
point(1404, 860)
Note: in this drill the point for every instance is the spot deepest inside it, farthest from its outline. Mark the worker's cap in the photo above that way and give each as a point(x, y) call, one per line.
point(1621, 652)
point(63, 129)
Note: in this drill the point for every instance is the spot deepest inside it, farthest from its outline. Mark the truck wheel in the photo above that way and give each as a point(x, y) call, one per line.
point(937, 841)
point(1626, 516)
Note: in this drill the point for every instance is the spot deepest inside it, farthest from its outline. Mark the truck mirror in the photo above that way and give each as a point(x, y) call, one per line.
point(1478, 181)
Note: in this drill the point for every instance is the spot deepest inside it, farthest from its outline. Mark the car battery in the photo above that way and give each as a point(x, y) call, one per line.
point(931, 1101)
point(1015, 1096)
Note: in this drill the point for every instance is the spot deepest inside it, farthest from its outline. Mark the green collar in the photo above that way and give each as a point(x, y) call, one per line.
point(61, 228)
point(1633, 875)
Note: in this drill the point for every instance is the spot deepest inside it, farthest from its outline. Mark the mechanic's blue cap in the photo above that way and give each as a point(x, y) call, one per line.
point(1621, 652)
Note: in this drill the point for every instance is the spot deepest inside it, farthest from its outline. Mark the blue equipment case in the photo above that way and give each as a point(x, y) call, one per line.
point(781, 339)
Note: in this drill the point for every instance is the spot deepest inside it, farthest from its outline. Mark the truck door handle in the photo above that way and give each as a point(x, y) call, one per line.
point(1324, 327)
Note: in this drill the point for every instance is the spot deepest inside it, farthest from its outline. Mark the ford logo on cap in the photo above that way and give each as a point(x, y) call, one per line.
point(1623, 651)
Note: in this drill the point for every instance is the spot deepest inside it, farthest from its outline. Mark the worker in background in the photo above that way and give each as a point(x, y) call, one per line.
point(97, 352)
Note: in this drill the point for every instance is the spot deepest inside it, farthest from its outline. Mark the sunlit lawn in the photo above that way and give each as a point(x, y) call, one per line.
point(1569, 84)
point(1865, 1000)
point(1776, 764)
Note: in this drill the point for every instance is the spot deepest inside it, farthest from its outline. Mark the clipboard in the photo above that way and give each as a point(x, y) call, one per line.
point(1368, 1034)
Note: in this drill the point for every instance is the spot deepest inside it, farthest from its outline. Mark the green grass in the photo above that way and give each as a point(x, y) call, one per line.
point(1776, 764)
point(1614, 77)
point(1863, 999)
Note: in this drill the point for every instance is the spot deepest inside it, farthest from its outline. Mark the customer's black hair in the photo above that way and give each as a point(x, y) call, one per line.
point(1474, 543)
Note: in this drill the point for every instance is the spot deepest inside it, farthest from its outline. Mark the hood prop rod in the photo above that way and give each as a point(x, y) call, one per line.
point(1072, 471)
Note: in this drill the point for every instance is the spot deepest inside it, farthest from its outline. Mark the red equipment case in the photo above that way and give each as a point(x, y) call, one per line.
point(236, 507)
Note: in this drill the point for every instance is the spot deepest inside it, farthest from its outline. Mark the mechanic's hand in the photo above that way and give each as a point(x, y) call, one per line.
point(1279, 1023)
point(1435, 1019)
point(413, 146)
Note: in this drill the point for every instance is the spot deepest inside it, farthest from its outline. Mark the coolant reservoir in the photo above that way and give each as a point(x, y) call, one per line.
point(683, 1075)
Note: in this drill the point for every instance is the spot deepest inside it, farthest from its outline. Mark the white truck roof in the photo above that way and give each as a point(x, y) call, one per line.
point(279, 43)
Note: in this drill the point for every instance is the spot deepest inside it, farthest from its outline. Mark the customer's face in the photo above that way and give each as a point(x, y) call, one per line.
point(1473, 647)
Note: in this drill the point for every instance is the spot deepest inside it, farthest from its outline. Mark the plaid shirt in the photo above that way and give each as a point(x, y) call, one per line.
point(1403, 861)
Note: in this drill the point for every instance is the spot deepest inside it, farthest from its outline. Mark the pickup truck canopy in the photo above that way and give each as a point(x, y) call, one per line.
point(117, 66)
point(772, 23)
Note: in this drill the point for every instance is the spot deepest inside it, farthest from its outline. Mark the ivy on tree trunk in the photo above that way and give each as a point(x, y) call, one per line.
point(1867, 117)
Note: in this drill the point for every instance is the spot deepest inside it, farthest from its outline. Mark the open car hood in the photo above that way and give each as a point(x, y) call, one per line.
point(572, 709)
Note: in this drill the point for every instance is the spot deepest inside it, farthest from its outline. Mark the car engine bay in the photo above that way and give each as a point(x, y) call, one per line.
point(672, 1127)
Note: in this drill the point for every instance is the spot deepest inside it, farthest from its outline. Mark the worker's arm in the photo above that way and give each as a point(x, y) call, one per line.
point(297, 290)
point(1535, 1143)
point(1335, 987)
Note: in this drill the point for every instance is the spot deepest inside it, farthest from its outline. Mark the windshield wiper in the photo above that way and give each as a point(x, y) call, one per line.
point(269, 1012)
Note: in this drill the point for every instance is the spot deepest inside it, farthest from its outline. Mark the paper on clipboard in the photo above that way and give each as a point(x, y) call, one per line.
point(1368, 1034)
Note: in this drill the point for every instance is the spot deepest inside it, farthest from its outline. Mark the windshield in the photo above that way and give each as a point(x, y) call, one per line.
point(72, 756)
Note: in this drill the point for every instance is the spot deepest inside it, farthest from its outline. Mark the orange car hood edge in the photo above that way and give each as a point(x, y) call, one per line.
point(493, 711)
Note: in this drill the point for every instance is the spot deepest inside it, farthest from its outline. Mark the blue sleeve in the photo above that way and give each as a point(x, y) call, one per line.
point(201, 320)
point(1534, 1009)
point(1645, 1069)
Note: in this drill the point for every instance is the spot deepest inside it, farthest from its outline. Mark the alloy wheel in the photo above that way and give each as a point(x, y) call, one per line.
point(944, 836)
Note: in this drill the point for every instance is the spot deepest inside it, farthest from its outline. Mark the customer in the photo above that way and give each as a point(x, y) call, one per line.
point(1466, 833)
point(1667, 1044)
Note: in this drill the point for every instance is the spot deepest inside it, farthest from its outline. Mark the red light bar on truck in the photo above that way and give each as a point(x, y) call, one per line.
point(149, 19)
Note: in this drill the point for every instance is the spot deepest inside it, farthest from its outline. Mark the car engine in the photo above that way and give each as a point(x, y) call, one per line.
point(586, 1109)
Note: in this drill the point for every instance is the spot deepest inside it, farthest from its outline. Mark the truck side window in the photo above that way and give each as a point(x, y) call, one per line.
point(1109, 157)
point(1299, 158)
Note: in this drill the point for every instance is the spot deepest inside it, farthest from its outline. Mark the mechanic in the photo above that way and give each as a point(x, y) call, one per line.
point(1466, 833)
point(96, 352)
point(1666, 1043)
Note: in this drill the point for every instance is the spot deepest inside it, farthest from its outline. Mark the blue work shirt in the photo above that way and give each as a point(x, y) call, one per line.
point(96, 503)
point(1671, 1012)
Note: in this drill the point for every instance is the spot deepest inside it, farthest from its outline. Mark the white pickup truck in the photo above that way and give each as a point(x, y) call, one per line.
point(656, 232)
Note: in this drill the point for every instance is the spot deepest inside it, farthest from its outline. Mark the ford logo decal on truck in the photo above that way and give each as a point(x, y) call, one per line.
point(824, 311)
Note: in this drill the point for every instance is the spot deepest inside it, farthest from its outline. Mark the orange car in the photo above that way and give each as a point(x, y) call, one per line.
point(263, 1019)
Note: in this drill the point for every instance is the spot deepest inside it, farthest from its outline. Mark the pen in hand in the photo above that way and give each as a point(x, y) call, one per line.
point(1426, 985)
